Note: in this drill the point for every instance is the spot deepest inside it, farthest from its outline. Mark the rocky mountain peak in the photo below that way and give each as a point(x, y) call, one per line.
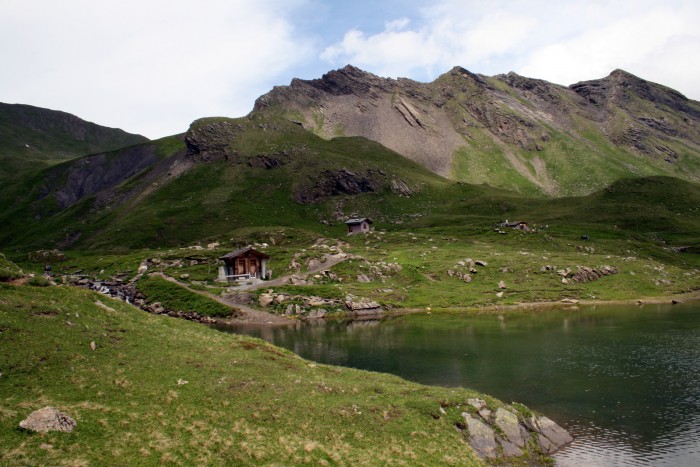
point(348, 80)
point(463, 123)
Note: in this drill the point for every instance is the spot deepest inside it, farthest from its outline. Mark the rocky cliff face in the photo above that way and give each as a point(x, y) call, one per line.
point(507, 130)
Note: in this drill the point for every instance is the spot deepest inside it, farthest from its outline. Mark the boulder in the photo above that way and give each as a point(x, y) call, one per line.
point(363, 278)
point(265, 299)
point(509, 449)
point(481, 437)
point(502, 285)
point(481, 263)
point(298, 280)
point(279, 298)
point(48, 419)
point(508, 422)
point(478, 404)
point(317, 313)
point(554, 435)
point(315, 301)
point(361, 305)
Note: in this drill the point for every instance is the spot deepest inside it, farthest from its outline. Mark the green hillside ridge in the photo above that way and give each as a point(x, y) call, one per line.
point(161, 390)
point(33, 137)
point(263, 171)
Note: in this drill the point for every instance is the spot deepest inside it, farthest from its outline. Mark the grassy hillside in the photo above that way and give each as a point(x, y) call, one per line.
point(33, 137)
point(160, 390)
point(210, 197)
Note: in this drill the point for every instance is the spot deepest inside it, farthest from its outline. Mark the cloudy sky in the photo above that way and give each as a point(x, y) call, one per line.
point(153, 66)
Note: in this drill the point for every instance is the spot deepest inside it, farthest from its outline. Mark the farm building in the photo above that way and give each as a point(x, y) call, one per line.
point(243, 264)
point(359, 225)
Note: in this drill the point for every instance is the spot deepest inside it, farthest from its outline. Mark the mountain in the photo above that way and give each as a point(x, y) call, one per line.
point(33, 137)
point(509, 131)
point(262, 170)
point(221, 175)
point(269, 169)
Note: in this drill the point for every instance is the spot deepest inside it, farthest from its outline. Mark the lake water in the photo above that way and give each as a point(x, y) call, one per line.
point(625, 381)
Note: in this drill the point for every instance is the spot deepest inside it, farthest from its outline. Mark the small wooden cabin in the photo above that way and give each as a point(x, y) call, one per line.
point(243, 264)
point(359, 225)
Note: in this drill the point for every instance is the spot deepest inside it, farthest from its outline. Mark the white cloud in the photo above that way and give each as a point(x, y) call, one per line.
point(445, 39)
point(157, 65)
point(563, 42)
point(659, 44)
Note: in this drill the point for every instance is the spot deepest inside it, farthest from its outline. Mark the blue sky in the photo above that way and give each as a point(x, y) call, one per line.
point(153, 66)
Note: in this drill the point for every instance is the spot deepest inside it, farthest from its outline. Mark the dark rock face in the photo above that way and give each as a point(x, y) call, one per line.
point(349, 80)
point(336, 182)
point(212, 141)
point(263, 161)
point(89, 175)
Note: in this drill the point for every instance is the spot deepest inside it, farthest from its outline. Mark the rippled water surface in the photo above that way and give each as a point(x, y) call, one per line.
point(625, 381)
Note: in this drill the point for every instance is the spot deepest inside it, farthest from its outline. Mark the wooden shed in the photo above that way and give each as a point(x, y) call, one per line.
point(358, 225)
point(243, 264)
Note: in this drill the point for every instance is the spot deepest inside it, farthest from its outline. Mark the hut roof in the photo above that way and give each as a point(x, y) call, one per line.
point(247, 249)
point(358, 220)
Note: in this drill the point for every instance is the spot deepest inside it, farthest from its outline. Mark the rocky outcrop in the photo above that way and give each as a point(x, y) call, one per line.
point(586, 274)
point(48, 419)
point(212, 139)
point(582, 275)
point(336, 182)
point(87, 176)
point(301, 306)
point(508, 432)
point(362, 306)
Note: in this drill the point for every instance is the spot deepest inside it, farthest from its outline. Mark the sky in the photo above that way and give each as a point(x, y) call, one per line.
point(154, 66)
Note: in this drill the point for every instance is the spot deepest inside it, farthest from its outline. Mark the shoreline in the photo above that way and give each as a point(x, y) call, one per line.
point(255, 317)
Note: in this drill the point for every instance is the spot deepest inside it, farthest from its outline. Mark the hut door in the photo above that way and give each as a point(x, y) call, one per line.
point(253, 266)
point(240, 266)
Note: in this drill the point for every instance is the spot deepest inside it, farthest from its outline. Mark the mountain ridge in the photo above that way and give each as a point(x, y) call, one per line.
point(34, 137)
point(536, 131)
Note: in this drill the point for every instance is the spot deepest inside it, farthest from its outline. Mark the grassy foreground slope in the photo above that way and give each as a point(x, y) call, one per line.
point(158, 389)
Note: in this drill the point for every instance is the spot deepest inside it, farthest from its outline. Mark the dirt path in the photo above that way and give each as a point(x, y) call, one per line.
point(246, 314)
point(251, 315)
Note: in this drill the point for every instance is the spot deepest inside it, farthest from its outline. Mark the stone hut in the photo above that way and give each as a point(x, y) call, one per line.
point(246, 263)
point(358, 225)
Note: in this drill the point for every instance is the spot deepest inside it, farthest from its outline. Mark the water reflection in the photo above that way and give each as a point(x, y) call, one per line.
point(625, 380)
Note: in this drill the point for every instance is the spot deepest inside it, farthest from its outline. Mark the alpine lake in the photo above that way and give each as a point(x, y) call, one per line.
point(624, 380)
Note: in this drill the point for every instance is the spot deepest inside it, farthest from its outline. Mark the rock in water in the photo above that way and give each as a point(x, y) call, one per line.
point(551, 435)
point(48, 419)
